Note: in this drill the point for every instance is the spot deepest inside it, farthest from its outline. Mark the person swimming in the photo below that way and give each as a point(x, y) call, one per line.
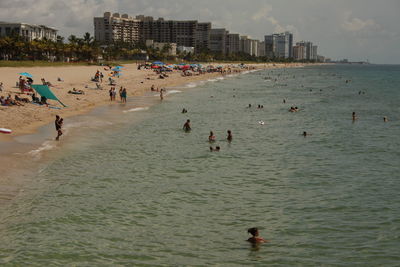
point(186, 126)
point(255, 236)
point(385, 119)
point(211, 137)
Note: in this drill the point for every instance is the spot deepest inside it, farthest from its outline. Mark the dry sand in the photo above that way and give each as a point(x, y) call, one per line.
point(26, 119)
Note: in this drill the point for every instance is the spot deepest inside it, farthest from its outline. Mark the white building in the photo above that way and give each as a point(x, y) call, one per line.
point(29, 32)
point(161, 46)
point(112, 28)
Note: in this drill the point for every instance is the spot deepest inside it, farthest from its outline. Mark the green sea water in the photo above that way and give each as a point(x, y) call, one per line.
point(128, 187)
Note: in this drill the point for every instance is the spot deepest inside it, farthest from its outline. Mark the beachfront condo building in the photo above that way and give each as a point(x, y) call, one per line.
point(116, 28)
point(188, 33)
point(279, 45)
point(248, 46)
point(29, 32)
point(218, 41)
point(310, 50)
point(299, 52)
point(232, 43)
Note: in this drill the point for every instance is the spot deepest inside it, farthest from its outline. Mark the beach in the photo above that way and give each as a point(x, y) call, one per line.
point(26, 119)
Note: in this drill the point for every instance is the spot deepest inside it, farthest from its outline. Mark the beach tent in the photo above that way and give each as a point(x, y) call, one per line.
point(45, 91)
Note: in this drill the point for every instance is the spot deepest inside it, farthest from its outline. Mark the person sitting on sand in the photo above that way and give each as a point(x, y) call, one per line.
point(76, 92)
point(186, 126)
point(255, 239)
point(211, 137)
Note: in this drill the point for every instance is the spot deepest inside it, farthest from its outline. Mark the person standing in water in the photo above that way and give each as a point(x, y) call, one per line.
point(211, 137)
point(161, 94)
point(354, 117)
point(186, 126)
point(230, 137)
point(58, 124)
point(255, 239)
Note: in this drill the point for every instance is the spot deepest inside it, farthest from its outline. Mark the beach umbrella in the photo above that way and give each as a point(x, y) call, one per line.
point(158, 63)
point(26, 74)
point(116, 69)
point(155, 67)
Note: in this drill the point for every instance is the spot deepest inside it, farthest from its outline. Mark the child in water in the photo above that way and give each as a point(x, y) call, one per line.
point(255, 238)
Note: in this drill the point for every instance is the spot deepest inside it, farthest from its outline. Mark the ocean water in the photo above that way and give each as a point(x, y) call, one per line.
point(128, 187)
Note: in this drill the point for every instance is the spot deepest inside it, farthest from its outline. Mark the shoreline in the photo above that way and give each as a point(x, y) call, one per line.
point(19, 151)
point(31, 117)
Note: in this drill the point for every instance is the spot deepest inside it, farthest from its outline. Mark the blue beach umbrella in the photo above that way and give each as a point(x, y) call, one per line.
point(26, 74)
point(158, 63)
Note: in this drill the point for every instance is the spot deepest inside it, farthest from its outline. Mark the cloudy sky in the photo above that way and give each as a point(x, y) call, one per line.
point(354, 29)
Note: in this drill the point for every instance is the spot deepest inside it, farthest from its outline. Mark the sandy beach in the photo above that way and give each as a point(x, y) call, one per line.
point(28, 118)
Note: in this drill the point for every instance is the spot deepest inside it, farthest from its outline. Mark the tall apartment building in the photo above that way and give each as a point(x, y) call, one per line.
point(116, 28)
point(29, 32)
point(310, 50)
point(299, 52)
point(248, 46)
point(232, 43)
point(279, 45)
point(261, 49)
point(218, 41)
point(190, 33)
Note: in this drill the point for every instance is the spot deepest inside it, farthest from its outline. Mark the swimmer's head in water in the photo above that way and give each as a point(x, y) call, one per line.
point(253, 231)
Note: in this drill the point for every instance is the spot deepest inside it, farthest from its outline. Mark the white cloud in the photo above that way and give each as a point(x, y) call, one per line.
point(356, 24)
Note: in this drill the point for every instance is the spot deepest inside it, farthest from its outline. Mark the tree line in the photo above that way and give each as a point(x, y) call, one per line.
point(87, 49)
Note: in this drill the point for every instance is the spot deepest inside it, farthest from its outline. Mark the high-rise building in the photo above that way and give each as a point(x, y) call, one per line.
point(261, 49)
point(314, 52)
point(299, 52)
point(248, 46)
point(279, 45)
point(29, 32)
point(190, 33)
point(232, 43)
point(311, 52)
point(218, 41)
point(114, 28)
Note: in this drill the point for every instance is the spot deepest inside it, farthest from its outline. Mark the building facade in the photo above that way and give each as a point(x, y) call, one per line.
point(190, 33)
point(116, 28)
point(310, 50)
point(232, 43)
point(29, 32)
point(218, 41)
point(279, 45)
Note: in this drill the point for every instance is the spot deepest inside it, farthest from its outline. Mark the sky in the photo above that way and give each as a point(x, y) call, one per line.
point(353, 29)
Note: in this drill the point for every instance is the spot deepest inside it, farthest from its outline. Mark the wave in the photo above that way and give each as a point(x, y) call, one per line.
point(136, 109)
point(47, 145)
point(173, 92)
